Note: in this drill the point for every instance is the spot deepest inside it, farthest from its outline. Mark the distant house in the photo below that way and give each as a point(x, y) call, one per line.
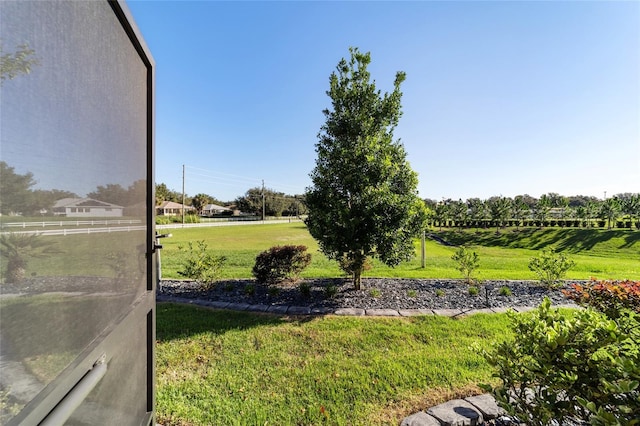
point(169, 208)
point(214, 209)
point(86, 207)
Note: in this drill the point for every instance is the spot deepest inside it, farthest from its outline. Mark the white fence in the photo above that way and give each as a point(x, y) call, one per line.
point(44, 224)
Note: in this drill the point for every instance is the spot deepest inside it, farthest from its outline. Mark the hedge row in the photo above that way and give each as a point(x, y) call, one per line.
point(575, 223)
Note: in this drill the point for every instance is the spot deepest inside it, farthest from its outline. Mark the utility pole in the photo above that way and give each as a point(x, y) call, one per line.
point(183, 195)
point(263, 208)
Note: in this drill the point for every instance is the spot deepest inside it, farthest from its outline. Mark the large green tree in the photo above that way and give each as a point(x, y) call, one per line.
point(252, 202)
point(363, 200)
point(15, 190)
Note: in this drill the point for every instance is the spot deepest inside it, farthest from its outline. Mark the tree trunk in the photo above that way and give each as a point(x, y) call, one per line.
point(357, 279)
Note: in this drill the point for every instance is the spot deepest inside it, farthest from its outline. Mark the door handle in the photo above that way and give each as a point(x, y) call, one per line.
point(65, 408)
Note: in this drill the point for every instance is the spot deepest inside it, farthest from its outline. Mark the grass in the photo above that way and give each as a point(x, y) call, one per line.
point(606, 254)
point(218, 367)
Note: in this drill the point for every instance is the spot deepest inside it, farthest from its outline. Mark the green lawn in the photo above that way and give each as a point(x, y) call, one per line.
point(606, 254)
point(218, 367)
point(228, 368)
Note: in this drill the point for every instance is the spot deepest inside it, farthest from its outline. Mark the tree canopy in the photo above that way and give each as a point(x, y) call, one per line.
point(363, 201)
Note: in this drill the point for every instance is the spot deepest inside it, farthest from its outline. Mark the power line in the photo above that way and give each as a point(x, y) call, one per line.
point(233, 180)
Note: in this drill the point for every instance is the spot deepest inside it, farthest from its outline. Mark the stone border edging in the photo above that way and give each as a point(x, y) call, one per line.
point(303, 310)
point(469, 411)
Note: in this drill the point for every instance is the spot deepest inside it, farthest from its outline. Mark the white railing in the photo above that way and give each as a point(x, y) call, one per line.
point(76, 231)
point(59, 223)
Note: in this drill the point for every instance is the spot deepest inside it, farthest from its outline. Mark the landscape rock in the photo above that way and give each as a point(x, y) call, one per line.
point(420, 419)
point(456, 412)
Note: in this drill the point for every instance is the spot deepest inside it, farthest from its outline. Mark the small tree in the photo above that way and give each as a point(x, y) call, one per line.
point(610, 209)
point(363, 201)
point(201, 265)
point(467, 263)
point(550, 266)
point(541, 209)
point(500, 210)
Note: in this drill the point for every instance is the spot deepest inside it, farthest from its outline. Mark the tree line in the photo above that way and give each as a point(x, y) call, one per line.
point(252, 202)
point(501, 211)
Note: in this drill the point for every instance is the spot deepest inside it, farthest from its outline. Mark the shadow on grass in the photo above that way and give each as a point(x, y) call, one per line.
point(176, 321)
point(571, 240)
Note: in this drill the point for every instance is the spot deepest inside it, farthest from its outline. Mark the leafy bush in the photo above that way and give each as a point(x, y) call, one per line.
point(280, 263)
point(163, 220)
point(550, 267)
point(201, 265)
point(375, 293)
point(305, 289)
point(473, 291)
point(330, 291)
point(467, 263)
point(609, 297)
point(580, 366)
point(505, 291)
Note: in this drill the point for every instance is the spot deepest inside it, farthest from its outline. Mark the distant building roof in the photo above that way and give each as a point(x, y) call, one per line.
point(172, 205)
point(215, 207)
point(83, 202)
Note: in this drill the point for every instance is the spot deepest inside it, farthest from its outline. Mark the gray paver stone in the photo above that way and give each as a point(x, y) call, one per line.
point(523, 308)
point(501, 310)
point(382, 312)
point(349, 311)
point(414, 312)
point(420, 419)
point(321, 311)
point(238, 306)
point(487, 405)
point(298, 310)
point(258, 308)
point(456, 412)
point(278, 309)
point(447, 312)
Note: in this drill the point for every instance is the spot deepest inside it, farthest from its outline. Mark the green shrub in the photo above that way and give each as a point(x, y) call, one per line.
point(412, 294)
point(569, 366)
point(440, 292)
point(375, 293)
point(163, 220)
point(330, 291)
point(200, 265)
point(280, 263)
point(273, 291)
point(305, 289)
point(550, 267)
point(467, 263)
point(505, 291)
point(250, 289)
point(473, 290)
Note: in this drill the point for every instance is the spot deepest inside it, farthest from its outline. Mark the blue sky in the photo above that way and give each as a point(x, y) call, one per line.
point(501, 98)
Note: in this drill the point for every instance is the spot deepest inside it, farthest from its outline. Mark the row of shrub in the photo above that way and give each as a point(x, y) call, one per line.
point(188, 218)
point(568, 223)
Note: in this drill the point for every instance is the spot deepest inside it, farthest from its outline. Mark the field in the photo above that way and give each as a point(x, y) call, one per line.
point(605, 254)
